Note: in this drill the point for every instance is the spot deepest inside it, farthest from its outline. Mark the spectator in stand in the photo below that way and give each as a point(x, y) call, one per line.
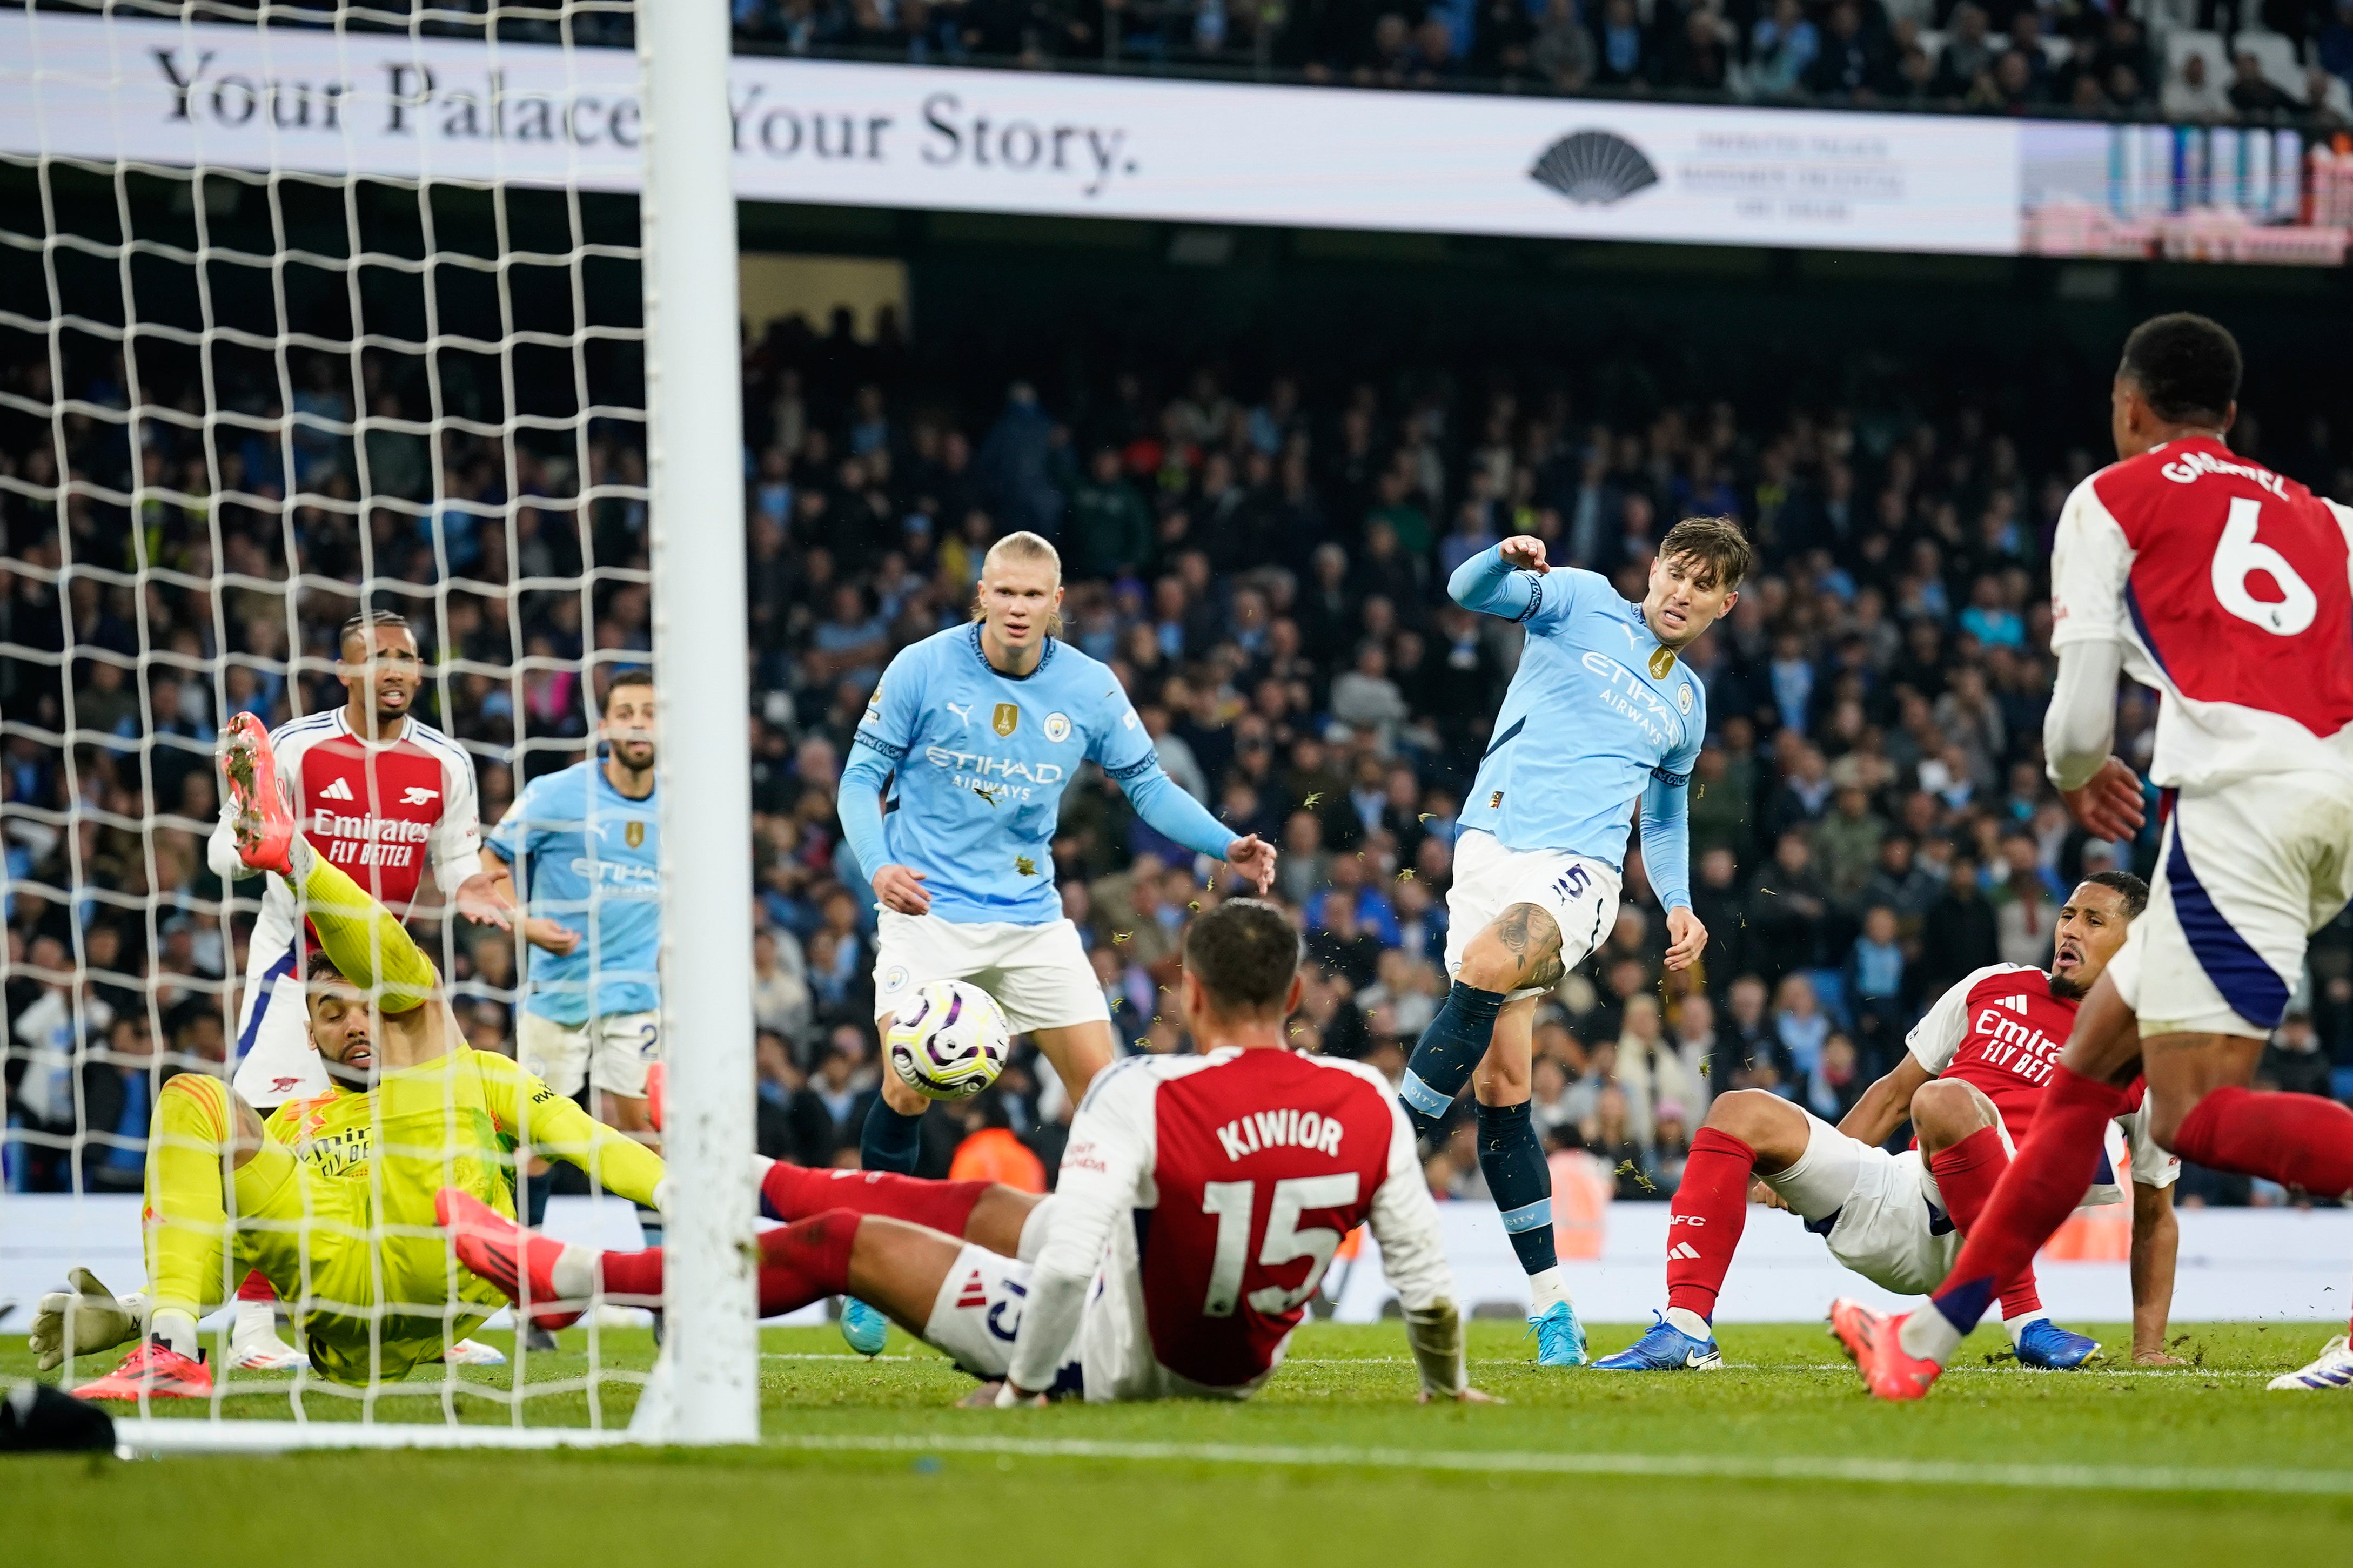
point(1563, 52)
point(1622, 50)
point(1854, 64)
point(2193, 93)
point(1960, 934)
point(2252, 95)
point(1967, 53)
point(2293, 1061)
point(1781, 50)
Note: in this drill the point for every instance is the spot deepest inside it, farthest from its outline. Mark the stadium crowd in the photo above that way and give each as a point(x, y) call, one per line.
point(1263, 564)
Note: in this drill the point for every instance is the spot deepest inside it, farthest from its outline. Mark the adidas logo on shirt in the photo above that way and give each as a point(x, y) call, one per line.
point(339, 790)
point(2015, 1004)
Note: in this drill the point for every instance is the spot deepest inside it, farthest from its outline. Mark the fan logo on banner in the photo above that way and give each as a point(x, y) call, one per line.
point(1594, 168)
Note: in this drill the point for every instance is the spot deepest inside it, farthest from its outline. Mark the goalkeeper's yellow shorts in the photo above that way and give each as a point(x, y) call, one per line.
point(374, 1291)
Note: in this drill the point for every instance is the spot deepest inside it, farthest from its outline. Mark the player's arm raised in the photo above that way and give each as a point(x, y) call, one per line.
point(884, 734)
point(1096, 1190)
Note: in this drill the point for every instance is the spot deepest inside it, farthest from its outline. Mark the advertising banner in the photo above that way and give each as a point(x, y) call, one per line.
point(293, 99)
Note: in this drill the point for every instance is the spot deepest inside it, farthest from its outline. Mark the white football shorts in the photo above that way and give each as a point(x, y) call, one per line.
point(1039, 974)
point(275, 1059)
point(612, 1052)
point(2247, 870)
point(1887, 1220)
point(1579, 892)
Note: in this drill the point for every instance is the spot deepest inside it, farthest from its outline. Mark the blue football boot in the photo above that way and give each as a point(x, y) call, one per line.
point(2046, 1345)
point(865, 1329)
point(1664, 1348)
point(1560, 1338)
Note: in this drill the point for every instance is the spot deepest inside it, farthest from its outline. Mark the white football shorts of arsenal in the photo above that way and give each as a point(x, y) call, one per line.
point(1039, 974)
point(1579, 892)
point(613, 1052)
point(977, 1315)
point(275, 1059)
point(1881, 1213)
point(2246, 871)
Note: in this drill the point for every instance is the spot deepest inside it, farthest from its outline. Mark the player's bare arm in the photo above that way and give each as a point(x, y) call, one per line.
point(2155, 1248)
point(538, 930)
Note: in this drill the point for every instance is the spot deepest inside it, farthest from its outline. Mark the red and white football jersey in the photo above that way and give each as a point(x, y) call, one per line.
point(381, 813)
point(2231, 590)
point(2000, 1030)
point(1211, 1192)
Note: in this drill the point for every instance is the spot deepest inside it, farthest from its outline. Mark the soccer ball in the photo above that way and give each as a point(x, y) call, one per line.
point(949, 1040)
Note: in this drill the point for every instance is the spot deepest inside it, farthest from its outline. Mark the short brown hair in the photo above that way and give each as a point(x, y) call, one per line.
point(1244, 954)
point(633, 677)
point(1715, 543)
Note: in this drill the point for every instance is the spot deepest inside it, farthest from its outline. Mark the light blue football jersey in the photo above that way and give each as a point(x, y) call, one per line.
point(979, 762)
point(588, 856)
point(1596, 710)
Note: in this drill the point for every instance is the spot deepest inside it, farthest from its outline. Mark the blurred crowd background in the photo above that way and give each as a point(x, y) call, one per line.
point(1259, 552)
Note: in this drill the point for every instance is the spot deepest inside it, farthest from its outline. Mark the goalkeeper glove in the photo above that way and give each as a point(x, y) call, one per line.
point(85, 1319)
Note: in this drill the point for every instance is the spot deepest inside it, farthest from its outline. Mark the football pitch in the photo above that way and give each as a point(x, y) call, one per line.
point(1778, 1458)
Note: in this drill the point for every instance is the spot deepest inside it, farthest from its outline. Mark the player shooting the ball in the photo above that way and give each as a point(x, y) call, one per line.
point(332, 1198)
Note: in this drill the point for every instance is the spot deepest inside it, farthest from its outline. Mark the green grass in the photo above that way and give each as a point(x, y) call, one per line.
point(1334, 1463)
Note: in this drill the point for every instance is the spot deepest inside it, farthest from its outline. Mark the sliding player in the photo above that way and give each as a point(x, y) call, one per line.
point(976, 730)
point(1200, 1201)
point(1597, 716)
point(1970, 1082)
point(333, 1197)
point(2225, 587)
point(586, 842)
point(378, 794)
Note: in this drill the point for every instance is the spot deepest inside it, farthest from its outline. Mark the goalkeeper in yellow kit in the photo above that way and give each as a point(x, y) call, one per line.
point(330, 1198)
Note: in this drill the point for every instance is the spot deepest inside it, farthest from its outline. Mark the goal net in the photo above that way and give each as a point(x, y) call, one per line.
point(323, 312)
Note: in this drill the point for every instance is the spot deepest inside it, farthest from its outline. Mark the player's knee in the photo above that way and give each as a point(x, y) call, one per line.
point(1488, 965)
point(1495, 1082)
point(1950, 1109)
point(2167, 1112)
point(1746, 1114)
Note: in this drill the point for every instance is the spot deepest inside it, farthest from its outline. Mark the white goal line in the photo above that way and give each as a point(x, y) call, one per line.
point(1677, 1467)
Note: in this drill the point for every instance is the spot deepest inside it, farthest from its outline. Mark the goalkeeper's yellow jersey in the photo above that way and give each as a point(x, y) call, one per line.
point(337, 1211)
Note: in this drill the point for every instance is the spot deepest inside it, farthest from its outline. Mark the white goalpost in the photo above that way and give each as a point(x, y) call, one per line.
point(310, 312)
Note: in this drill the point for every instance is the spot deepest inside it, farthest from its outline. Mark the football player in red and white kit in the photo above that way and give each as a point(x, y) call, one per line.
point(1201, 1199)
point(2229, 590)
point(378, 794)
point(1971, 1077)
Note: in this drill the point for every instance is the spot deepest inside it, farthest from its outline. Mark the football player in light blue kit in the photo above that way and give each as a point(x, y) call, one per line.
point(585, 844)
point(1598, 714)
point(976, 730)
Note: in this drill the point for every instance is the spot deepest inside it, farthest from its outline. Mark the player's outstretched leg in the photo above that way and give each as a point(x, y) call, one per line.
point(1960, 1134)
point(1003, 1219)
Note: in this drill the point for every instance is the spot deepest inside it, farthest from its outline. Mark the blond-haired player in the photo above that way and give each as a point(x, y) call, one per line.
point(332, 1198)
point(973, 733)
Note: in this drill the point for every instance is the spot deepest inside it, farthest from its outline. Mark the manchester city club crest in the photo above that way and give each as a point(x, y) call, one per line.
point(636, 834)
point(1006, 719)
point(1058, 727)
point(1683, 698)
point(895, 977)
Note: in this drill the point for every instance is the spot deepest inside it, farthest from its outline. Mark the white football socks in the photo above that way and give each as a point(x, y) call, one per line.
point(1544, 1289)
point(2018, 1325)
point(575, 1273)
point(1927, 1336)
point(176, 1328)
point(1690, 1323)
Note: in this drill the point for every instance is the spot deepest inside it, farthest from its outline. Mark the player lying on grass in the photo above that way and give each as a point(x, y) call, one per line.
point(1970, 1082)
point(333, 1197)
point(1200, 1201)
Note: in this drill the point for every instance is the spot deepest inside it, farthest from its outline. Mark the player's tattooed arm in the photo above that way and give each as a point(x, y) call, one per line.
point(1532, 938)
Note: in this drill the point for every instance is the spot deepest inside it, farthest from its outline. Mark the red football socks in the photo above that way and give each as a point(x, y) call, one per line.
point(795, 1192)
point(2041, 1189)
point(1706, 1220)
point(1967, 1174)
point(800, 1263)
point(255, 1287)
point(2296, 1140)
